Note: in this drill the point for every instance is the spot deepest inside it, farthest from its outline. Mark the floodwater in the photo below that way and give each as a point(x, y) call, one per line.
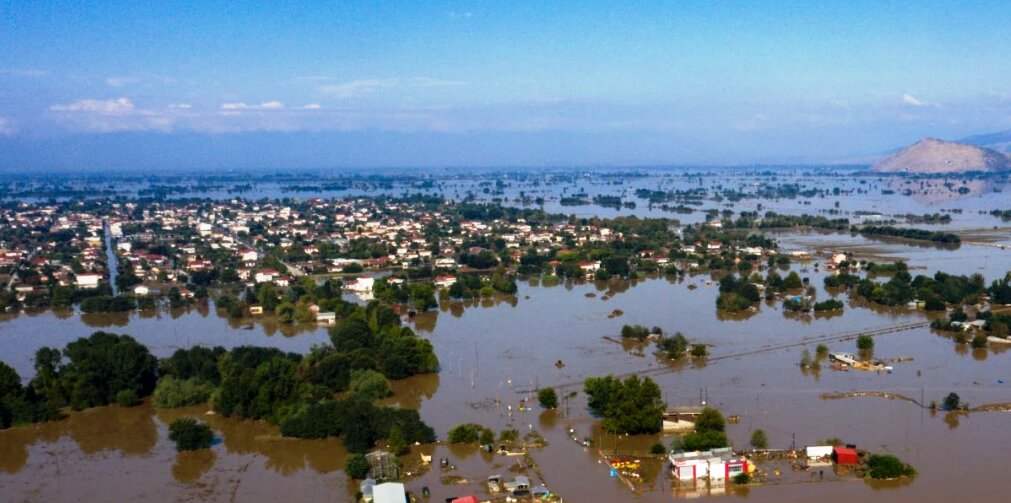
point(493, 353)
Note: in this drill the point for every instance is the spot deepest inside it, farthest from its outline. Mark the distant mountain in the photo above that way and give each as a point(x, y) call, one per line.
point(937, 156)
point(1000, 142)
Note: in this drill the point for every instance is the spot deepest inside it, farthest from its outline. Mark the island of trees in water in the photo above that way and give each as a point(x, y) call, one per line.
point(298, 393)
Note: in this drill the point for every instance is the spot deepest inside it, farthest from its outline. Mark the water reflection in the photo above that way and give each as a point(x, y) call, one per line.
point(191, 465)
point(128, 431)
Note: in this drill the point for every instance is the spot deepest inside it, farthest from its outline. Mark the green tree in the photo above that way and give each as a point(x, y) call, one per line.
point(710, 419)
point(952, 402)
point(369, 384)
point(174, 392)
point(631, 406)
point(395, 441)
point(865, 343)
point(190, 434)
point(979, 341)
point(547, 398)
point(467, 433)
point(127, 398)
point(759, 440)
point(704, 440)
point(357, 467)
point(887, 466)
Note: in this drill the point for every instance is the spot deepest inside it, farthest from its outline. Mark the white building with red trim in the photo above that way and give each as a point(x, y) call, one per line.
point(716, 465)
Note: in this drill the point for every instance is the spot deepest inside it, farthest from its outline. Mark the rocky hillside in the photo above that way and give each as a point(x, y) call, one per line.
point(938, 156)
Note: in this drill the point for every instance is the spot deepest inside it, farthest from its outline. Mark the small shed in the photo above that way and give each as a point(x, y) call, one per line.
point(815, 452)
point(466, 499)
point(389, 492)
point(845, 456)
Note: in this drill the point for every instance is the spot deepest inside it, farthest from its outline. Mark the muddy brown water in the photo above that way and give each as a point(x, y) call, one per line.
point(493, 352)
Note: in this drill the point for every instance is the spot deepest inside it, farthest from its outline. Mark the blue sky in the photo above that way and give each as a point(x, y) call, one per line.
point(127, 85)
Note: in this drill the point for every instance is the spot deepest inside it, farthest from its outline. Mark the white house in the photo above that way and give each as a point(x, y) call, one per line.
point(389, 492)
point(445, 281)
point(88, 280)
point(363, 284)
point(248, 255)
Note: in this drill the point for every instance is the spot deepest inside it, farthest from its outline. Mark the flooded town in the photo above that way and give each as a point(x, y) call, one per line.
point(776, 347)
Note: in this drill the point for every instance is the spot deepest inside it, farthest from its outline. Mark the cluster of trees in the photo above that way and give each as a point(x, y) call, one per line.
point(887, 466)
point(293, 391)
point(909, 233)
point(902, 288)
point(631, 406)
point(828, 305)
point(709, 432)
point(677, 346)
point(774, 282)
point(774, 220)
point(108, 304)
point(638, 332)
point(469, 286)
point(190, 434)
point(736, 294)
point(98, 370)
point(292, 304)
point(419, 295)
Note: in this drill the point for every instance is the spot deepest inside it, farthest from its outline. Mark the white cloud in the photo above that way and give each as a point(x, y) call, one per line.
point(116, 106)
point(312, 106)
point(104, 116)
point(356, 87)
point(7, 127)
point(909, 99)
point(267, 105)
point(181, 106)
point(460, 15)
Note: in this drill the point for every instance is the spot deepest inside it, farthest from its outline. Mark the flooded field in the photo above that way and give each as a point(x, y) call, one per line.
point(493, 354)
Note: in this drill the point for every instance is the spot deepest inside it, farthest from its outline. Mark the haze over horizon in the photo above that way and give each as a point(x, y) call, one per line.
point(192, 85)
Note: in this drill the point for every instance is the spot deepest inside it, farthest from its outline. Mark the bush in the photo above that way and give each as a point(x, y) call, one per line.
point(699, 350)
point(657, 448)
point(190, 434)
point(759, 440)
point(742, 478)
point(710, 419)
point(675, 346)
point(631, 406)
point(357, 467)
point(637, 332)
point(547, 398)
point(865, 342)
point(886, 466)
point(172, 392)
point(127, 398)
point(487, 437)
point(468, 433)
point(979, 341)
point(821, 350)
point(703, 441)
point(951, 402)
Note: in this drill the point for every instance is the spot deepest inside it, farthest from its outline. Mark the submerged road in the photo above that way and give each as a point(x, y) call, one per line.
point(767, 349)
point(111, 261)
